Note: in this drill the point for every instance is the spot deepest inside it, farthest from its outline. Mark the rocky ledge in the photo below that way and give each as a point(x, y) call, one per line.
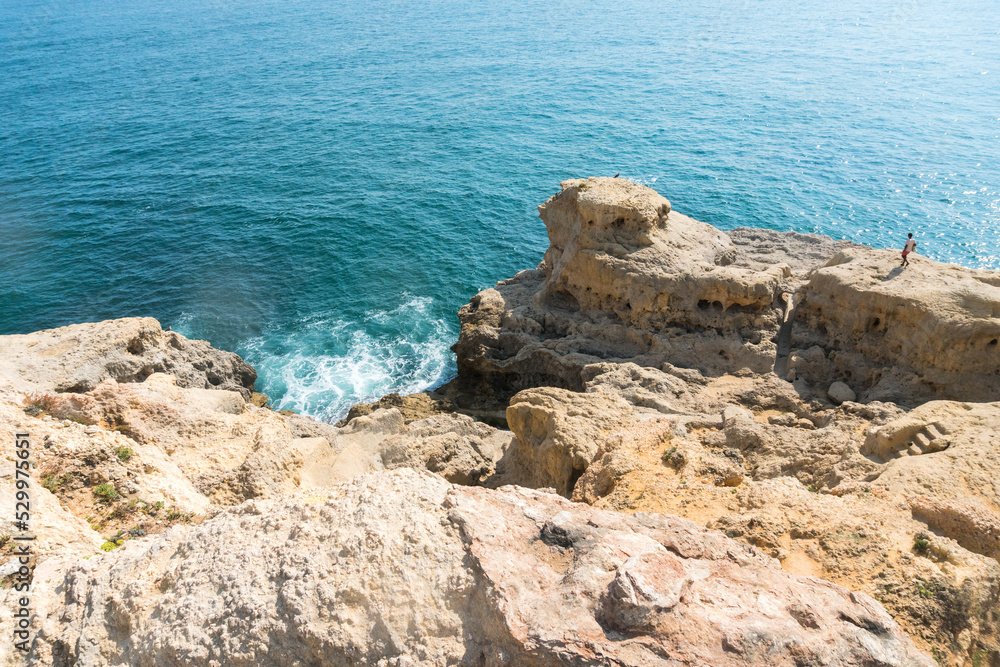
point(743, 448)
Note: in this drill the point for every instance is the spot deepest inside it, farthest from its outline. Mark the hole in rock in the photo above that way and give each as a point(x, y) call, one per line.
point(564, 300)
point(703, 304)
point(993, 342)
point(717, 305)
point(876, 322)
point(574, 477)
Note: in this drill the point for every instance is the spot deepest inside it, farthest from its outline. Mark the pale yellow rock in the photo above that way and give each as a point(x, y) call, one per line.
point(401, 568)
point(558, 433)
point(935, 323)
point(626, 278)
point(78, 357)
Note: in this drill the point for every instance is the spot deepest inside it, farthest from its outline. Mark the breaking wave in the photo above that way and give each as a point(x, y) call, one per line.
point(326, 365)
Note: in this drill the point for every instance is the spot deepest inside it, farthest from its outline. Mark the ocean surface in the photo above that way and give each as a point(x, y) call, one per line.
point(320, 185)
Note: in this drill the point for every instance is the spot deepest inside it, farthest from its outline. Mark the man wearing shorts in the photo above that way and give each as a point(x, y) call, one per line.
point(910, 246)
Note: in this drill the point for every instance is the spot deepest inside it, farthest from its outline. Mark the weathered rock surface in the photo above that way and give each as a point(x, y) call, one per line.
point(626, 278)
point(402, 568)
point(78, 357)
point(190, 446)
point(457, 447)
point(558, 433)
point(839, 393)
point(621, 307)
point(412, 407)
point(903, 334)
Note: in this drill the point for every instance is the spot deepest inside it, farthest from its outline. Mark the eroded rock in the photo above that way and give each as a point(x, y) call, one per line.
point(78, 357)
point(402, 568)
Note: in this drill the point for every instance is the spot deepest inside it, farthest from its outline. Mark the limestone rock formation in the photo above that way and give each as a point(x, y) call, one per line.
point(627, 279)
point(189, 446)
point(457, 447)
point(412, 406)
point(730, 411)
point(903, 334)
point(839, 393)
point(78, 357)
point(402, 568)
point(558, 433)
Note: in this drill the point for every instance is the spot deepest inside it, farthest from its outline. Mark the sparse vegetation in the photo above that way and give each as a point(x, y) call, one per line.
point(926, 588)
point(111, 546)
point(920, 545)
point(53, 482)
point(175, 515)
point(106, 492)
point(124, 453)
point(668, 454)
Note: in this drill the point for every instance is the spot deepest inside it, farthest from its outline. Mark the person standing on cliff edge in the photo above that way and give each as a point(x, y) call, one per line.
point(910, 246)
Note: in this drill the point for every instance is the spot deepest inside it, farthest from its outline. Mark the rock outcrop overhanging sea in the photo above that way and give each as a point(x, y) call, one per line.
point(666, 445)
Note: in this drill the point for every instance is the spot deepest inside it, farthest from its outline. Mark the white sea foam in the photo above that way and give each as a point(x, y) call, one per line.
point(327, 365)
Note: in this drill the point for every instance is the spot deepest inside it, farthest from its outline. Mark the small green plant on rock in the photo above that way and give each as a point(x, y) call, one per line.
point(111, 546)
point(175, 515)
point(920, 545)
point(667, 455)
point(926, 588)
point(124, 453)
point(53, 482)
point(106, 492)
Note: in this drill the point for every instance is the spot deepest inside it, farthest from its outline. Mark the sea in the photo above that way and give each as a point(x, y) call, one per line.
point(319, 185)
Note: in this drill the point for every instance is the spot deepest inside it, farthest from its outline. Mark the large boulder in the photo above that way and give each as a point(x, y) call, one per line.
point(557, 434)
point(401, 568)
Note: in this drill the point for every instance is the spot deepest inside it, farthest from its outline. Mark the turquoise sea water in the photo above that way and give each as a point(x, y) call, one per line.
point(319, 185)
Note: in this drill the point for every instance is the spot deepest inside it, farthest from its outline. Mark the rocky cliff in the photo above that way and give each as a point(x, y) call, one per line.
point(626, 278)
point(743, 448)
